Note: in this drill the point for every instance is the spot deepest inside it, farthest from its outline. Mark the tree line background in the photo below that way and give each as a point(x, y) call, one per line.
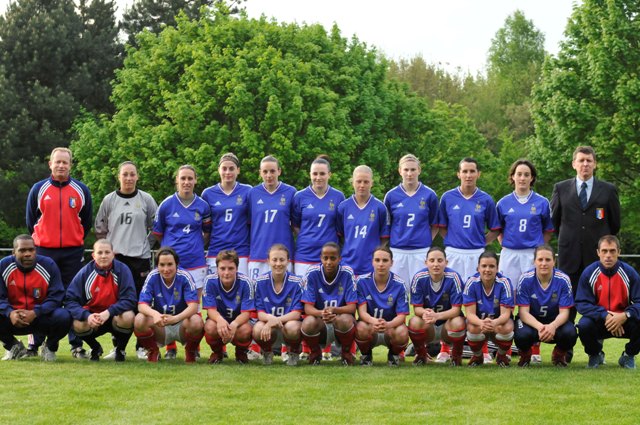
point(183, 81)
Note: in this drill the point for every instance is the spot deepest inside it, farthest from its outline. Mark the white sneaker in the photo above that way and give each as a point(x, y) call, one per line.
point(111, 355)
point(285, 357)
point(487, 358)
point(304, 356)
point(252, 355)
point(443, 357)
point(48, 355)
point(141, 353)
point(536, 359)
point(292, 359)
point(327, 356)
point(17, 351)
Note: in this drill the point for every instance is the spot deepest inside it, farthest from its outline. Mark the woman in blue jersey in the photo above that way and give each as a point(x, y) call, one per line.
point(278, 297)
point(413, 209)
point(168, 309)
point(544, 299)
point(270, 208)
point(229, 214)
point(183, 222)
point(382, 310)
point(362, 223)
point(314, 216)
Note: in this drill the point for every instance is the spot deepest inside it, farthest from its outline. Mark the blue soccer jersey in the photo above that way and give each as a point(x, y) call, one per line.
point(523, 224)
point(169, 299)
point(279, 303)
point(411, 217)
point(385, 304)
point(315, 216)
point(322, 294)
point(488, 303)
point(362, 229)
point(440, 297)
point(229, 303)
point(181, 227)
point(466, 219)
point(229, 219)
point(270, 219)
point(544, 304)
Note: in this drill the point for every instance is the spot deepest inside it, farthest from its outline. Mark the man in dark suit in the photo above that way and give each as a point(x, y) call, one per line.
point(583, 209)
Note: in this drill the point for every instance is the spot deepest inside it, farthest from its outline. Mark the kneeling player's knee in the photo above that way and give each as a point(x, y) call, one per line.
point(416, 323)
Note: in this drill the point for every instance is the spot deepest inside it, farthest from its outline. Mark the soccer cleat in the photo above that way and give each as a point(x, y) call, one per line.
point(456, 360)
point(292, 359)
point(393, 360)
point(315, 357)
point(252, 355)
point(626, 361)
point(171, 354)
point(595, 360)
point(327, 356)
point(410, 351)
point(443, 357)
point(120, 356)
point(190, 356)
point(285, 357)
point(17, 351)
point(304, 356)
point(141, 353)
point(525, 358)
point(32, 352)
point(346, 359)
point(536, 359)
point(79, 353)
point(487, 358)
point(503, 360)
point(420, 361)
point(215, 358)
point(241, 355)
point(48, 355)
point(559, 358)
point(267, 358)
point(475, 361)
point(96, 353)
point(366, 360)
point(111, 355)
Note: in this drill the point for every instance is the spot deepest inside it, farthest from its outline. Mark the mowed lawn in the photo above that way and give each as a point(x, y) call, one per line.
point(74, 391)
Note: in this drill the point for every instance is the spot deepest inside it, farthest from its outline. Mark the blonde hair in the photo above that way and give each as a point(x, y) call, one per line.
point(60, 149)
point(408, 157)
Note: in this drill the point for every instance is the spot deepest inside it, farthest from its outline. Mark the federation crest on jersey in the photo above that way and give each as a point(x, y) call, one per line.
point(554, 296)
point(332, 205)
point(533, 210)
point(289, 301)
point(340, 290)
point(176, 295)
point(445, 297)
point(37, 292)
point(72, 202)
point(138, 205)
point(372, 216)
point(283, 200)
point(237, 298)
point(600, 213)
point(239, 200)
point(478, 207)
point(496, 302)
point(196, 216)
point(423, 203)
point(390, 300)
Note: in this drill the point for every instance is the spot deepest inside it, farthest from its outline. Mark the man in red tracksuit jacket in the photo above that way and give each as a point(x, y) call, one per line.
point(31, 294)
point(608, 299)
point(59, 218)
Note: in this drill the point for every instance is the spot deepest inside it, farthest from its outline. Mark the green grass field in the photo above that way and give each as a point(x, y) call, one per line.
point(74, 391)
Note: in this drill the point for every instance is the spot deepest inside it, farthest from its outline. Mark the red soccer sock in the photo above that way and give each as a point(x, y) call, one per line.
point(293, 345)
point(419, 339)
point(477, 347)
point(215, 343)
point(365, 346)
point(503, 346)
point(305, 347)
point(347, 340)
point(265, 346)
point(148, 341)
point(327, 348)
point(485, 347)
point(311, 342)
point(172, 346)
point(535, 349)
point(254, 347)
point(397, 349)
point(457, 341)
point(444, 347)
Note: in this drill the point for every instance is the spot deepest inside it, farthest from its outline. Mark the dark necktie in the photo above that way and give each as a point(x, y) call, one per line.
point(583, 196)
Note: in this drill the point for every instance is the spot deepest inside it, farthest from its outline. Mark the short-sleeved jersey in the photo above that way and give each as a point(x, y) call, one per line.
point(270, 219)
point(315, 216)
point(181, 227)
point(362, 229)
point(229, 219)
point(449, 293)
point(169, 299)
point(385, 304)
point(544, 304)
point(488, 303)
point(466, 219)
point(126, 220)
point(323, 294)
point(411, 216)
point(229, 303)
point(523, 224)
point(279, 303)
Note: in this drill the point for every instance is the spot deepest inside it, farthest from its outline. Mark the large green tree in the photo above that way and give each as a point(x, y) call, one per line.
point(255, 87)
point(590, 95)
point(56, 57)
